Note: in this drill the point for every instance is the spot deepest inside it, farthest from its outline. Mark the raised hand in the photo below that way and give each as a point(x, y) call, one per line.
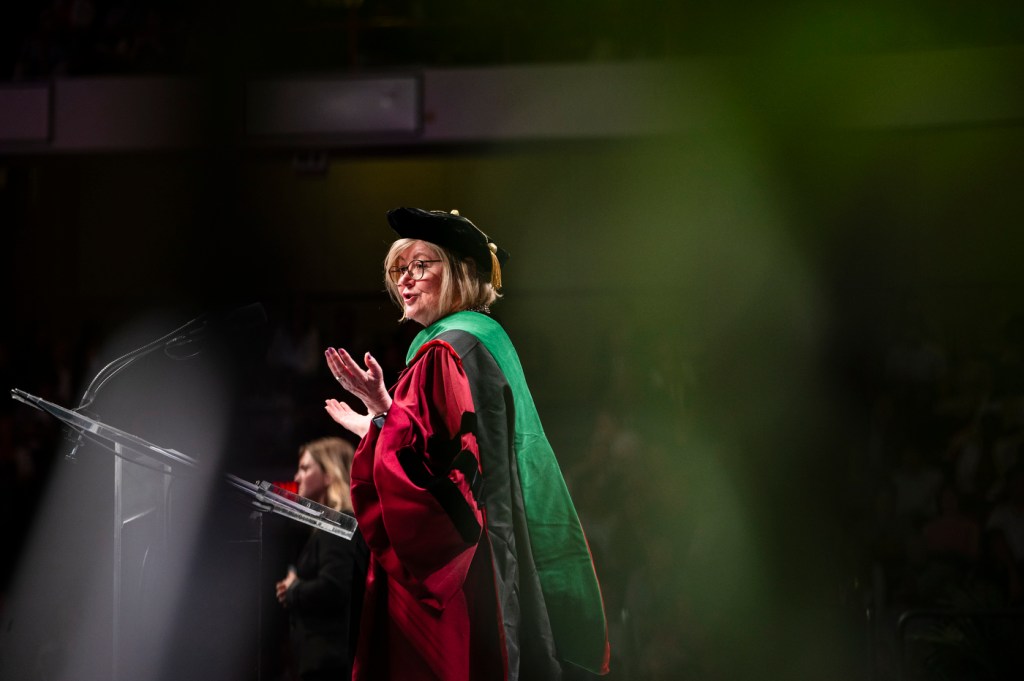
point(366, 384)
point(347, 417)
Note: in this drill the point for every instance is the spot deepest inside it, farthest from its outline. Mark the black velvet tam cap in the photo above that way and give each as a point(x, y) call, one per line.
point(451, 231)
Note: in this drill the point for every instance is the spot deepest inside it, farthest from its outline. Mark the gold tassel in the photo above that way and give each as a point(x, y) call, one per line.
point(495, 267)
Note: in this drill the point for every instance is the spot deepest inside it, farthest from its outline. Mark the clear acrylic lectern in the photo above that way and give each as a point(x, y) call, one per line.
point(149, 505)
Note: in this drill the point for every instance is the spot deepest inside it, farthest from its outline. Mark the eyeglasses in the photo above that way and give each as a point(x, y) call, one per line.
point(415, 269)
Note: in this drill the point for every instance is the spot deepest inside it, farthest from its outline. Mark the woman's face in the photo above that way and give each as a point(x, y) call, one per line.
point(421, 298)
point(312, 479)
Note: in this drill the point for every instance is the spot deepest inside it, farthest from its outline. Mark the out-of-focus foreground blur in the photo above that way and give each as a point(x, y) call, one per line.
point(765, 283)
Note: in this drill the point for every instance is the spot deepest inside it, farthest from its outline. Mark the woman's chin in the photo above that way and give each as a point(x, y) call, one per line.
point(420, 316)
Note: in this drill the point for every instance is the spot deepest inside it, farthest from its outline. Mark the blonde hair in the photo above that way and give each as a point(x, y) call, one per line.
point(334, 456)
point(462, 287)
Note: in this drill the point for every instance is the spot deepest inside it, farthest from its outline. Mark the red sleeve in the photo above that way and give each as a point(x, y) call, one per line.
point(411, 480)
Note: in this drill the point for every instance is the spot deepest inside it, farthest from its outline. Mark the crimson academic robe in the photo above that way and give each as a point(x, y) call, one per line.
point(479, 570)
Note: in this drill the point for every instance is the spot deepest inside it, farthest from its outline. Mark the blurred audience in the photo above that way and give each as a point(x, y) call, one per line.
point(942, 511)
point(945, 526)
point(1005, 523)
point(91, 37)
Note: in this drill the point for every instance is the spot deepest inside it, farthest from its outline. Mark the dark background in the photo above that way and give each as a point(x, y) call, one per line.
point(734, 335)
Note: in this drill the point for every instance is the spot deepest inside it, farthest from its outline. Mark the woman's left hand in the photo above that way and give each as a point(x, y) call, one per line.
point(356, 423)
point(366, 384)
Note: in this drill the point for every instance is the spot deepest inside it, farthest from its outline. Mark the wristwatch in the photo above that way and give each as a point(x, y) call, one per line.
point(378, 420)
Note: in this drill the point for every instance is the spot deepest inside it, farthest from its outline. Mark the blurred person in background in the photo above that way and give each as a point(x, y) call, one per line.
point(480, 570)
point(323, 592)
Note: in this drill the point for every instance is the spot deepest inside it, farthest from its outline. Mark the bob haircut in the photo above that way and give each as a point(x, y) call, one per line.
point(462, 287)
point(334, 456)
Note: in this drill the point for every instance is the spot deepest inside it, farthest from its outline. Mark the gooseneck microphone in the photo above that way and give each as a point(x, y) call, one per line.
point(182, 343)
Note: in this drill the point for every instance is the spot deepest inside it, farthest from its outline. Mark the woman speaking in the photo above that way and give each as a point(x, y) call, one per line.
point(479, 567)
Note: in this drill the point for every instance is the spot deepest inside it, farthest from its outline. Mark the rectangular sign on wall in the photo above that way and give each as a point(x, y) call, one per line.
point(333, 106)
